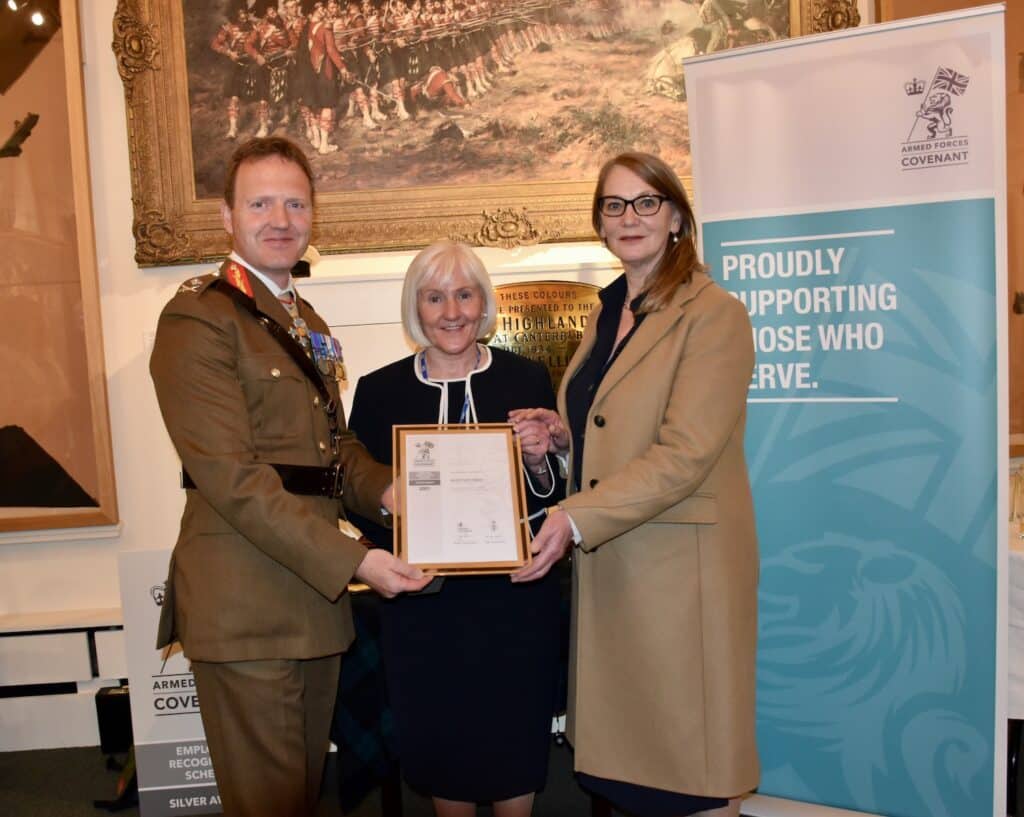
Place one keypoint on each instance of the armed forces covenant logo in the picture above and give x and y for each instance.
(933, 140)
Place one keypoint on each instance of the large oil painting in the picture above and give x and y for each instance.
(484, 120)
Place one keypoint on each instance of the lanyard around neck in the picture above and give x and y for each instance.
(464, 414)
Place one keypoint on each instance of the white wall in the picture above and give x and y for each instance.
(57, 570)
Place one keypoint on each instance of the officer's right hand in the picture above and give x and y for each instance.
(389, 575)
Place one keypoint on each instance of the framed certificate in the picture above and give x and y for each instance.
(462, 499)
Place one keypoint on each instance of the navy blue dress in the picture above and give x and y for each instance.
(472, 669)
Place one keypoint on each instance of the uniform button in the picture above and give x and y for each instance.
(599, 420)
(323, 446)
(275, 372)
(316, 401)
(593, 483)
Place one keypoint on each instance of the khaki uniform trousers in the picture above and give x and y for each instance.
(267, 727)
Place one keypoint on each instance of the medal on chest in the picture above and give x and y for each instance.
(326, 353)
(300, 333)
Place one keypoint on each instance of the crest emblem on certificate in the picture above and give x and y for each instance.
(425, 453)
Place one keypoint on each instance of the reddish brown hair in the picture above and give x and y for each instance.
(256, 149)
(680, 261)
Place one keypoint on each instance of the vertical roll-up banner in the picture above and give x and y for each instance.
(172, 761)
(851, 191)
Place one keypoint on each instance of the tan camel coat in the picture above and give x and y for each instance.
(661, 679)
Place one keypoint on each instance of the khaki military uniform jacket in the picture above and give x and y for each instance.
(665, 582)
(257, 572)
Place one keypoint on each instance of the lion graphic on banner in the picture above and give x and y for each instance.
(937, 112)
(863, 672)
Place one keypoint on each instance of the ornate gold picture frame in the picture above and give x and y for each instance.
(512, 167)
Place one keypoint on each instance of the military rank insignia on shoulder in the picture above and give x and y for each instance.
(197, 284)
(237, 276)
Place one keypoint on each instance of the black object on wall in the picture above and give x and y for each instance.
(31, 478)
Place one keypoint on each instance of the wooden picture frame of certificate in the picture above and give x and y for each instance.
(462, 499)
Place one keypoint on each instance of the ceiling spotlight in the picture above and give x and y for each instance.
(12, 5)
(37, 18)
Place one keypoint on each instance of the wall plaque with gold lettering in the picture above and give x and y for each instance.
(544, 320)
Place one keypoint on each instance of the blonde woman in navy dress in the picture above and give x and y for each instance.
(472, 668)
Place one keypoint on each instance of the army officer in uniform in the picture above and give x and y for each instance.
(245, 377)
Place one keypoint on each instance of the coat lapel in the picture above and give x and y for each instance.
(269, 305)
(653, 328)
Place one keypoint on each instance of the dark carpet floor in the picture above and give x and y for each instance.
(65, 782)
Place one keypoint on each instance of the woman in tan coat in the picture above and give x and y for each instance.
(665, 566)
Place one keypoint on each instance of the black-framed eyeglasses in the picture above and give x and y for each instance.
(645, 205)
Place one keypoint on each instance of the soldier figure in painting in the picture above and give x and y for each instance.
(401, 31)
(349, 33)
(296, 24)
(270, 47)
(230, 42)
(708, 14)
(379, 70)
(326, 66)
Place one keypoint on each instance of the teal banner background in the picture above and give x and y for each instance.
(875, 488)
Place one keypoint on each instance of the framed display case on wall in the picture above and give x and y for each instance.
(56, 464)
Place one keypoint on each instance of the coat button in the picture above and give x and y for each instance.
(316, 401)
(599, 420)
(323, 446)
(275, 372)
(593, 483)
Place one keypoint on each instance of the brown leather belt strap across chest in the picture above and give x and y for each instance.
(294, 350)
(307, 480)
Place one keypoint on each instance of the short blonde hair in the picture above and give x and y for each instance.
(438, 264)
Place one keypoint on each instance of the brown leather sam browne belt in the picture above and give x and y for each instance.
(307, 480)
